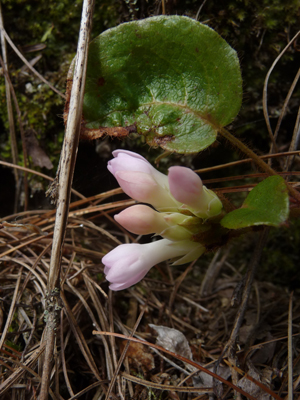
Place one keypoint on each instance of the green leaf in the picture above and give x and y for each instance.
(169, 78)
(266, 204)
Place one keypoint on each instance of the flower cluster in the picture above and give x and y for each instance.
(181, 206)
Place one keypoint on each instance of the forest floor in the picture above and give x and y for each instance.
(189, 311)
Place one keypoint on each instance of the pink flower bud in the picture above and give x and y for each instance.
(127, 264)
(141, 220)
(125, 160)
(187, 188)
(140, 180)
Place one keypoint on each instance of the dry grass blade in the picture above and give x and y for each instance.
(265, 91)
(16, 375)
(80, 338)
(123, 355)
(103, 323)
(284, 108)
(186, 360)
(11, 310)
(86, 390)
(153, 385)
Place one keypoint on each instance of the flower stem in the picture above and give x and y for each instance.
(258, 161)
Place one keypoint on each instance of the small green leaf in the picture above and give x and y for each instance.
(169, 78)
(266, 204)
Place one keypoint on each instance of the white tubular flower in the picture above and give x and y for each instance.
(127, 264)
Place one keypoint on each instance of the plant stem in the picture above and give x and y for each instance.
(258, 161)
(64, 184)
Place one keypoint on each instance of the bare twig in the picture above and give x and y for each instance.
(65, 177)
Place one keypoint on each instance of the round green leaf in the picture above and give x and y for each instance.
(266, 204)
(169, 78)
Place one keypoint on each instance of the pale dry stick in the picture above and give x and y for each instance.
(11, 309)
(64, 182)
(247, 160)
(12, 131)
(27, 63)
(265, 92)
(283, 111)
(294, 142)
(290, 349)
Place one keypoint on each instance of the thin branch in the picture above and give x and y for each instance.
(65, 178)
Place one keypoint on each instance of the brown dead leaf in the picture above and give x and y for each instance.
(139, 356)
(250, 387)
(38, 155)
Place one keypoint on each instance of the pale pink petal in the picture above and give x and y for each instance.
(143, 187)
(185, 185)
(129, 263)
(141, 220)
